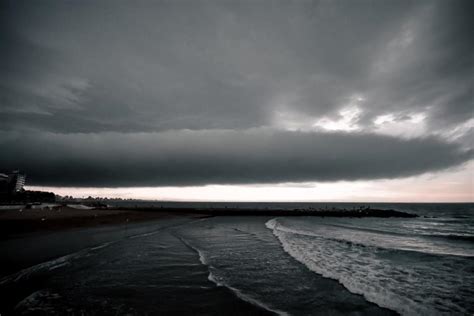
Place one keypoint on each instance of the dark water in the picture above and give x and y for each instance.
(258, 265)
(148, 271)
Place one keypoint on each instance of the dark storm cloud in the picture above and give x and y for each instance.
(222, 157)
(148, 69)
(205, 64)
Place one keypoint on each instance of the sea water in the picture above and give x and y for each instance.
(414, 266)
(280, 265)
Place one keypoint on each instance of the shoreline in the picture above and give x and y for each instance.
(186, 277)
(15, 223)
(91, 227)
(28, 249)
(177, 270)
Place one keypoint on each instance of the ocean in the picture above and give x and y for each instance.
(265, 265)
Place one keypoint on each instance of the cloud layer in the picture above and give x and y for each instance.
(222, 157)
(201, 92)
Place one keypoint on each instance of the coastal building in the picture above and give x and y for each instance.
(12, 182)
(19, 182)
(12, 191)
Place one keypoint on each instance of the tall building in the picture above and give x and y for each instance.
(20, 179)
(12, 182)
(12, 192)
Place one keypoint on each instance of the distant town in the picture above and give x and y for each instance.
(12, 191)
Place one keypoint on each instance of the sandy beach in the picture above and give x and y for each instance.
(17, 222)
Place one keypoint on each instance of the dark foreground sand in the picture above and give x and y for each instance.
(14, 223)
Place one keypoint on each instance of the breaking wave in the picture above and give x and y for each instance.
(216, 278)
(409, 282)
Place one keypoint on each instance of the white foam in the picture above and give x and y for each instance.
(64, 260)
(374, 239)
(37, 302)
(80, 207)
(361, 271)
(145, 234)
(60, 265)
(253, 301)
(213, 279)
(202, 258)
(11, 207)
(220, 282)
(51, 264)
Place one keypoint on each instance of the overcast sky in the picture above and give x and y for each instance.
(240, 96)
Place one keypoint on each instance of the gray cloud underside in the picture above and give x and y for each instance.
(221, 157)
(112, 93)
(154, 66)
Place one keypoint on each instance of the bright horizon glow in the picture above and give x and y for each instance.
(453, 185)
